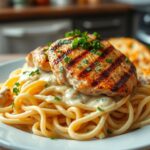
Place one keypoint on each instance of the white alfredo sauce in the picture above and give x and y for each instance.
(71, 96)
(48, 77)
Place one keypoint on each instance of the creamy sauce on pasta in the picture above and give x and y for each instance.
(70, 96)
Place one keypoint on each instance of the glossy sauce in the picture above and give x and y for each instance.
(70, 96)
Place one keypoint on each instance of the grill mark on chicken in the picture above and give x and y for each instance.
(85, 72)
(59, 59)
(108, 71)
(124, 78)
(101, 76)
(60, 43)
(77, 59)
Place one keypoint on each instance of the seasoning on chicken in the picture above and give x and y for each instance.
(38, 58)
(138, 53)
(91, 66)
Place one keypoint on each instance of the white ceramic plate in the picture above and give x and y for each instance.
(16, 139)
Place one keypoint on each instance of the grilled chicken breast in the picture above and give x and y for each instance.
(39, 58)
(107, 72)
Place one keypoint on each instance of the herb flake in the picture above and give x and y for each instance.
(37, 71)
(127, 60)
(16, 90)
(97, 68)
(109, 60)
(17, 84)
(88, 69)
(61, 69)
(57, 98)
(76, 32)
(99, 53)
(85, 61)
(49, 44)
(67, 59)
(99, 109)
(75, 43)
(96, 44)
(82, 40)
(97, 35)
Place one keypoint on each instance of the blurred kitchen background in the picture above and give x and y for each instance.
(26, 24)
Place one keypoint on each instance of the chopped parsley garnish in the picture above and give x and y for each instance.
(64, 42)
(76, 32)
(25, 72)
(99, 109)
(49, 44)
(59, 51)
(67, 59)
(17, 84)
(97, 35)
(16, 88)
(85, 33)
(94, 51)
(68, 34)
(96, 44)
(127, 60)
(97, 63)
(85, 61)
(61, 69)
(75, 43)
(86, 45)
(97, 68)
(99, 53)
(109, 60)
(82, 40)
(36, 72)
(57, 98)
(88, 69)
